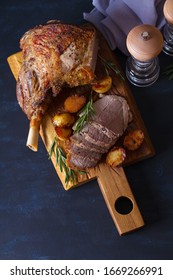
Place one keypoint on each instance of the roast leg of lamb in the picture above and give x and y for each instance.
(55, 55)
(111, 118)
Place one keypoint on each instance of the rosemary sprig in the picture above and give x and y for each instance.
(109, 65)
(52, 147)
(84, 115)
(169, 71)
(60, 156)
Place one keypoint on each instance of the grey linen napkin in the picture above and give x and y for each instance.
(115, 18)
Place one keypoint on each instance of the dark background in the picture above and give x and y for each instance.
(38, 219)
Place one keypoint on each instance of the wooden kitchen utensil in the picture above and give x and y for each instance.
(144, 43)
(113, 182)
(168, 28)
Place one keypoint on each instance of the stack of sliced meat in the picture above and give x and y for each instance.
(109, 122)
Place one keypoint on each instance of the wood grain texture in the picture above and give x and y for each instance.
(113, 183)
(168, 11)
(114, 186)
(144, 49)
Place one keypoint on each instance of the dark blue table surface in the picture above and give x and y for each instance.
(38, 219)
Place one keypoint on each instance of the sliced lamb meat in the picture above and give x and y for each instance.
(105, 131)
(81, 162)
(78, 149)
(112, 112)
(100, 133)
(94, 134)
(80, 138)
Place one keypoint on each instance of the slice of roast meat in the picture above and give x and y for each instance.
(80, 139)
(55, 55)
(111, 118)
(112, 112)
(93, 135)
(81, 162)
(78, 149)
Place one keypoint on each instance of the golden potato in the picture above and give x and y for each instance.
(63, 120)
(74, 103)
(115, 156)
(102, 85)
(63, 133)
(85, 75)
(133, 140)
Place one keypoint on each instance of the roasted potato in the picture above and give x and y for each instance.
(85, 74)
(74, 103)
(102, 85)
(63, 133)
(63, 120)
(133, 140)
(115, 156)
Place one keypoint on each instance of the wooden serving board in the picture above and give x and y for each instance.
(113, 183)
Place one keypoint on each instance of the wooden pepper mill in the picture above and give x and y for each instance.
(144, 43)
(168, 28)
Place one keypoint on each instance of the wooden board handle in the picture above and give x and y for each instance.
(119, 198)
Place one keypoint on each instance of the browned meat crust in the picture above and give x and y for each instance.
(55, 55)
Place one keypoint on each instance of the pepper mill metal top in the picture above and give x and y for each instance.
(144, 42)
(168, 11)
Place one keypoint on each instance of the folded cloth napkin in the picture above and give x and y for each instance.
(115, 18)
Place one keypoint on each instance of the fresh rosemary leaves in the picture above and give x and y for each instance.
(109, 65)
(70, 174)
(84, 115)
(52, 147)
(60, 157)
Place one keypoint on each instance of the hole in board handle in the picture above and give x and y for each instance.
(123, 205)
